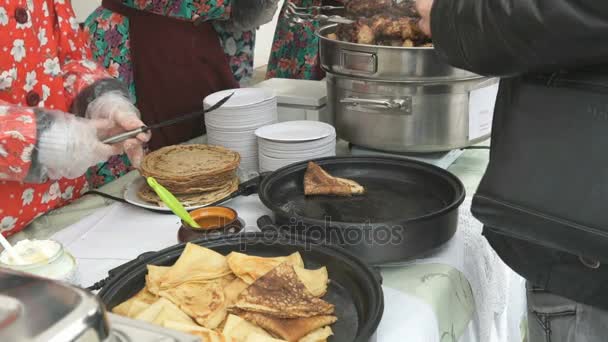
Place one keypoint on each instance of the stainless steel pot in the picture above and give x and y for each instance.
(397, 99)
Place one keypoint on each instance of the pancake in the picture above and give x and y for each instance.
(147, 194)
(249, 268)
(196, 264)
(187, 162)
(290, 330)
(203, 302)
(281, 294)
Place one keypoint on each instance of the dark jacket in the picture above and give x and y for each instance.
(544, 197)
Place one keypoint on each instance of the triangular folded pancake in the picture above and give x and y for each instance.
(206, 335)
(196, 264)
(240, 329)
(291, 330)
(162, 310)
(137, 307)
(143, 295)
(204, 302)
(319, 335)
(234, 289)
(261, 338)
(315, 280)
(281, 294)
(155, 276)
(318, 182)
(249, 268)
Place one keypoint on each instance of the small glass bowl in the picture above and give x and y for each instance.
(61, 266)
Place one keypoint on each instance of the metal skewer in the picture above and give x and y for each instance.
(130, 134)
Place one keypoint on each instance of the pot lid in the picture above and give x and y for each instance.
(297, 92)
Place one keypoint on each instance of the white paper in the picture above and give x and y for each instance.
(481, 111)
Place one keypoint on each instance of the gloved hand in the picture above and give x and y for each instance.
(248, 15)
(113, 114)
(70, 145)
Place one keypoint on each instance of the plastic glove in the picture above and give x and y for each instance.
(70, 145)
(250, 14)
(113, 114)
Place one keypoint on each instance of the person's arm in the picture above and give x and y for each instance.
(38, 144)
(510, 37)
(243, 15)
(90, 90)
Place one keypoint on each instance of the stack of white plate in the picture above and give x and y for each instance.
(233, 125)
(290, 142)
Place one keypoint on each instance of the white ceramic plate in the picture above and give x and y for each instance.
(242, 97)
(230, 127)
(297, 146)
(296, 131)
(131, 197)
(302, 154)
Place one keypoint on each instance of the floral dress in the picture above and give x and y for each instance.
(295, 48)
(44, 65)
(110, 42)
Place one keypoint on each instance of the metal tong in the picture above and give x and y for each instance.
(294, 14)
(130, 134)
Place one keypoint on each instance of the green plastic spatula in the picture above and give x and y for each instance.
(172, 202)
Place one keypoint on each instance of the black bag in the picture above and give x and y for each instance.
(544, 197)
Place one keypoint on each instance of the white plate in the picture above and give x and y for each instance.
(303, 154)
(131, 197)
(242, 97)
(229, 127)
(296, 131)
(297, 146)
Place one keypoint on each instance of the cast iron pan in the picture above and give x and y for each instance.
(354, 288)
(415, 203)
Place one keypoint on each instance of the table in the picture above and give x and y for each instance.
(458, 293)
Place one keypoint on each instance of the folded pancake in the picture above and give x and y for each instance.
(234, 289)
(261, 338)
(319, 335)
(315, 280)
(154, 277)
(204, 302)
(249, 268)
(280, 293)
(161, 311)
(196, 264)
(240, 329)
(318, 182)
(137, 307)
(206, 335)
(291, 330)
(124, 308)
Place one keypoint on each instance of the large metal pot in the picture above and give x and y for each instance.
(397, 99)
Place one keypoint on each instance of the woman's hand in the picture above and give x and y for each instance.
(112, 114)
(423, 7)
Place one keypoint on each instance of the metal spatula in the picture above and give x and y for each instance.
(130, 134)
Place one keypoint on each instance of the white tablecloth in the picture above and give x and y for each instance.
(449, 296)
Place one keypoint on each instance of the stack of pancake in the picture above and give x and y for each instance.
(195, 174)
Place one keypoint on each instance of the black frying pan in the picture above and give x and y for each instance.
(409, 208)
(354, 288)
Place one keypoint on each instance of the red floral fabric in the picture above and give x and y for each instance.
(44, 62)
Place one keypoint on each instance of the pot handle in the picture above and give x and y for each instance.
(404, 104)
